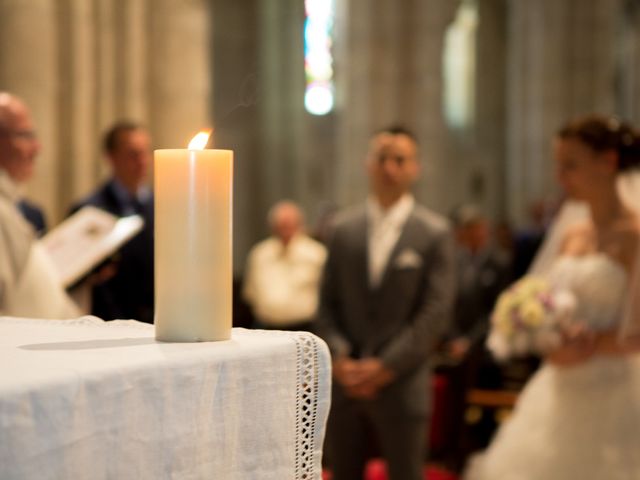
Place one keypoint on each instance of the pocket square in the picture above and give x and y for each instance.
(408, 258)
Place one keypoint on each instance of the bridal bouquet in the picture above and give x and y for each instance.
(529, 318)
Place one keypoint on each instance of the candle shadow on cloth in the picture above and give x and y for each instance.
(90, 344)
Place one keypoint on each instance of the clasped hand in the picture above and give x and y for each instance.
(362, 378)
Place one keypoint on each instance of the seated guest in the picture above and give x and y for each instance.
(28, 283)
(128, 291)
(283, 273)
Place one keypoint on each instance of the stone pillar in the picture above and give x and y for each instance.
(81, 65)
(179, 82)
(29, 69)
(236, 100)
(628, 61)
(441, 177)
(390, 71)
(282, 114)
(561, 63)
(77, 128)
(485, 177)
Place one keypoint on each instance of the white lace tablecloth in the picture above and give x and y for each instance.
(87, 399)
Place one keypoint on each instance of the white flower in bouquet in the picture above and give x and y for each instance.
(529, 318)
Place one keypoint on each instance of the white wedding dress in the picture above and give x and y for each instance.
(580, 422)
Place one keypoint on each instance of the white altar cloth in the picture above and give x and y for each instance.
(87, 399)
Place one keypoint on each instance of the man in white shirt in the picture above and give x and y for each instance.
(29, 286)
(282, 276)
(387, 294)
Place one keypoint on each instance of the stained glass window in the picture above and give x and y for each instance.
(460, 66)
(318, 59)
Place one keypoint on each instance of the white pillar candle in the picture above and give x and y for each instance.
(193, 277)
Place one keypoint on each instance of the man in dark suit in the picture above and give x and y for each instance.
(386, 298)
(482, 275)
(128, 291)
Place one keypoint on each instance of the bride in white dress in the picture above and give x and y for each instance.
(579, 416)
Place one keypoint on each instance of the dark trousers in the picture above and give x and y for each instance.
(401, 438)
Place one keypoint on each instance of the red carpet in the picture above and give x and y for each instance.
(377, 470)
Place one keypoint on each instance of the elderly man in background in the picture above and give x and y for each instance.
(28, 283)
(283, 273)
(128, 291)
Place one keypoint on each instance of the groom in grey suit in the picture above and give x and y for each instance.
(386, 298)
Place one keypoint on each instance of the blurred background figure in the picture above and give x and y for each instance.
(283, 272)
(482, 273)
(28, 283)
(124, 288)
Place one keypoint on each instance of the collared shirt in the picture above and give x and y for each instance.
(385, 227)
(125, 198)
(8, 188)
(281, 284)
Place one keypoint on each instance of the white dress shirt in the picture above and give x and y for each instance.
(282, 284)
(385, 227)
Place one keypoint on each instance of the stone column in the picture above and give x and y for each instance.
(441, 178)
(81, 65)
(390, 71)
(28, 68)
(178, 80)
(77, 128)
(282, 114)
(628, 61)
(485, 176)
(561, 63)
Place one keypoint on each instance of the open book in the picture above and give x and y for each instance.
(85, 239)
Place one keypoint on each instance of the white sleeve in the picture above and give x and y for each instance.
(38, 293)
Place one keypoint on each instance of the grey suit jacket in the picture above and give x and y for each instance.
(402, 320)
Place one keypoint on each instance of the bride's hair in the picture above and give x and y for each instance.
(602, 133)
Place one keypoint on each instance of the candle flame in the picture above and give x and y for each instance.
(200, 140)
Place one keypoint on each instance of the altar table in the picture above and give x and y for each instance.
(88, 399)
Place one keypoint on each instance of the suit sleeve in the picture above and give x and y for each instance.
(417, 340)
(326, 325)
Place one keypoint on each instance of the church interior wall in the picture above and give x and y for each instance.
(238, 66)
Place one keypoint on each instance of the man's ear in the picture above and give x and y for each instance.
(417, 169)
